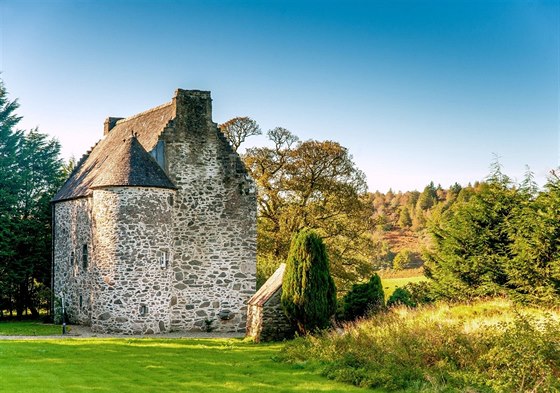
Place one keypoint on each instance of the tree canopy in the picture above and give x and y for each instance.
(238, 129)
(31, 173)
(311, 184)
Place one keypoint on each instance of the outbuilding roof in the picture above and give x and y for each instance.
(121, 159)
(269, 288)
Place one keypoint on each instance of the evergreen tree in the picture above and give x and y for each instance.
(427, 198)
(31, 173)
(471, 241)
(308, 290)
(364, 299)
(10, 141)
(534, 270)
(405, 221)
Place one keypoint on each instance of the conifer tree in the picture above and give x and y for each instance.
(364, 299)
(308, 290)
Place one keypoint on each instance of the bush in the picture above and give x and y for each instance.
(364, 299)
(308, 290)
(402, 259)
(524, 356)
(441, 349)
(420, 292)
(401, 296)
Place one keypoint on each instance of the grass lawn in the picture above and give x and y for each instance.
(153, 365)
(28, 328)
(390, 284)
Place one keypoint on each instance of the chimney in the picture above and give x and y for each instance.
(110, 122)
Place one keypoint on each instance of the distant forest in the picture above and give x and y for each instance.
(402, 220)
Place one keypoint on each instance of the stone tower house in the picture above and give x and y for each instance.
(155, 230)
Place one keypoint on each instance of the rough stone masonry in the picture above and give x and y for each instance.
(155, 230)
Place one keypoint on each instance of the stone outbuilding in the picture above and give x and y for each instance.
(155, 229)
(266, 320)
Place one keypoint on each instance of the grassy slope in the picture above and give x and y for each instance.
(151, 365)
(28, 328)
(442, 348)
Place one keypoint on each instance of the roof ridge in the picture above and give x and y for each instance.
(121, 121)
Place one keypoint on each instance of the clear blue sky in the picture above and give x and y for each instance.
(417, 90)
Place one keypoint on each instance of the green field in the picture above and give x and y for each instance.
(29, 328)
(390, 284)
(153, 365)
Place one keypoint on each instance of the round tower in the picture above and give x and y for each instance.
(132, 241)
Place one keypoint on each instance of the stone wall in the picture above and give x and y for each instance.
(214, 222)
(72, 277)
(268, 322)
(134, 257)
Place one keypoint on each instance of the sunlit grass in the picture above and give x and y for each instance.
(153, 365)
(28, 328)
(390, 284)
(493, 345)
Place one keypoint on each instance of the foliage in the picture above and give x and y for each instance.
(312, 184)
(364, 299)
(402, 259)
(401, 297)
(471, 243)
(421, 292)
(148, 365)
(502, 238)
(32, 172)
(534, 270)
(308, 290)
(238, 129)
(523, 355)
(445, 348)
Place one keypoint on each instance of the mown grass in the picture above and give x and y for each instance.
(153, 365)
(490, 346)
(28, 328)
(390, 284)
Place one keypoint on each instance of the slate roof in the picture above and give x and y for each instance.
(120, 159)
(131, 165)
(269, 288)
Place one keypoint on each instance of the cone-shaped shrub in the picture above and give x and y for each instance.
(364, 299)
(308, 290)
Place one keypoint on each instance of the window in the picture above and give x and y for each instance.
(163, 260)
(143, 309)
(72, 258)
(81, 301)
(85, 256)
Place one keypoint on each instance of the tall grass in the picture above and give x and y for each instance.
(488, 346)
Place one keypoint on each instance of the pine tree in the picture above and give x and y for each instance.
(534, 270)
(308, 290)
(471, 241)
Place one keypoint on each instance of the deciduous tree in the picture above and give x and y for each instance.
(238, 129)
(311, 184)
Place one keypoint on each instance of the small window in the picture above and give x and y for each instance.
(72, 258)
(143, 310)
(163, 260)
(81, 301)
(85, 256)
